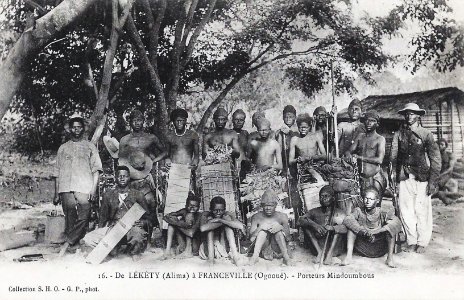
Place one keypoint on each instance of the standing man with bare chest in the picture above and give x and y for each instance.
(182, 144)
(369, 149)
(77, 172)
(221, 136)
(416, 160)
(137, 151)
(348, 131)
(265, 151)
(139, 140)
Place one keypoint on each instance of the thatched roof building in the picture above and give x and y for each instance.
(444, 117)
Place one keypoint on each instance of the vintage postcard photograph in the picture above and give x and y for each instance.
(231, 149)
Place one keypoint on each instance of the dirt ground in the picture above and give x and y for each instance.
(24, 207)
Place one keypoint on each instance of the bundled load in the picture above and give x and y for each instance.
(339, 173)
(257, 182)
(218, 154)
(338, 168)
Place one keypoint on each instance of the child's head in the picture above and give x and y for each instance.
(122, 176)
(264, 127)
(304, 123)
(217, 206)
(193, 203)
(371, 197)
(269, 202)
(289, 115)
(326, 196)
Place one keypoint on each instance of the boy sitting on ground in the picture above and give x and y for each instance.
(317, 223)
(269, 231)
(370, 231)
(218, 226)
(184, 224)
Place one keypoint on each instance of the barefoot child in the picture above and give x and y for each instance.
(218, 226)
(269, 231)
(316, 225)
(370, 231)
(183, 224)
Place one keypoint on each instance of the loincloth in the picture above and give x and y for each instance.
(372, 250)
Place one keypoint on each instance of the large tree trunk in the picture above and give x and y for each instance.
(48, 27)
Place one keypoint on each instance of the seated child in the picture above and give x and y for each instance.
(184, 224)
(370, 231)
(115, 204)
(269, 231)
(316, 225)
(218, 226)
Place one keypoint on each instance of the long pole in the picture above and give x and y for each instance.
(327, 236)
(284, 145)
(327, 139)
(337, 154)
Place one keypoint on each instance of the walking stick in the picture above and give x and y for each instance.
(284, 145)
(327, 236)
(335, 114)
(327, 140)
(393, 189)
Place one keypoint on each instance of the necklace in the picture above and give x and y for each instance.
(179, 135)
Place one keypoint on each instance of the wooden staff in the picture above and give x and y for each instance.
(337, 154)
(327, 158)
(332, 213)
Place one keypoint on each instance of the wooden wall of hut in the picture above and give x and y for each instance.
(444, 120)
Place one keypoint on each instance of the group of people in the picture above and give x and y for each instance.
(368, 229)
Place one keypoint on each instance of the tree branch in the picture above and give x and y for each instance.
(189, 22)
(196, 33)
(118, 85)
(33, 4)
(12, 69)
(218, 100)
(281, 33)
(155, 81)
(242, 74)
(285, 55)
(99, 116)
(154, 26)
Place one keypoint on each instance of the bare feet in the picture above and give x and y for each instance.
(136, 257)
(253, 261)
(288, 261)
(317, 259)
(211, 262)
(328, 261)
(167, 255)
(420, 249)
(186, 254)
(346, 261)
(237, 259)
(389, 262)
(410, 248)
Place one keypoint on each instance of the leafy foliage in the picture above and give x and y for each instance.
(308, 40)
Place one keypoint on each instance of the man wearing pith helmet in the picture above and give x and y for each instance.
(416, 160)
